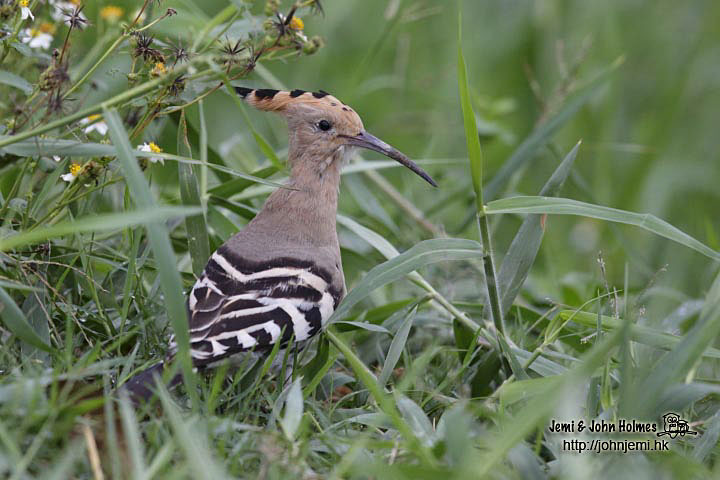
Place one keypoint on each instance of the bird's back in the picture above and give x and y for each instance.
(261, 287)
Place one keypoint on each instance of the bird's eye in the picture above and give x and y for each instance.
(324, 125)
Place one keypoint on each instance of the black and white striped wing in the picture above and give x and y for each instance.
(238, 305)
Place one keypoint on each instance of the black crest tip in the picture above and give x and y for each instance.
(263, 93)
(243, 91)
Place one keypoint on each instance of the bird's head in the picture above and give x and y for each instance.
(321, 126)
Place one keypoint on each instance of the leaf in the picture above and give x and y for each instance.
(471, 132)
(36, 147)
(370, 327)
(96, 223)
(566, 206)
(192, 443)
(526, 243)
(396, 347)
(159, 237)
(367, 201)
(424, 253)
(513, 427)
(16, 81)
(15, 321)
(33, 309)
(10, 285)
(463, 338)
(290, 421)
(132, 437)
(709, 440)
(237, 185)
(638, 333)
(197, 238)
(316, 369)
(379, 242)
(544, 132)
(674, 365)
(388, 406)
(416, 418)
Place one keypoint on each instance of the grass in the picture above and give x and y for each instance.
(547, 279)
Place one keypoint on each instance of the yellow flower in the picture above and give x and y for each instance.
(152, 147)
(46, 27)
(111, 13)
(24, 3)
(296, 23)
(75, 170)
(158, 70)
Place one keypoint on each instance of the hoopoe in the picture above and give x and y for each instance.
(280, 277)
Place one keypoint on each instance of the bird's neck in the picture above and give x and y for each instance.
(306, 211)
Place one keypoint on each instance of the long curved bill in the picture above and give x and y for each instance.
(371, 142)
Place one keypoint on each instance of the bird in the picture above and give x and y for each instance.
(280, 277)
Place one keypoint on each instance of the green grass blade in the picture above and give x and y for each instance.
(471, 132)
(638, 333)
(15, 321)
(566, 206)
(197, 238)
(290, 421)
(396, 347)
(9, 78)
(158, 235)
(379, 242)
(674, 365)
(709, 441)
(526, 243)
(237, 185)
(37, 317)
(476, 166)
(423, 253)
(96, 223)
(366, 377)
(514, 428)
(36, 147)
(132, 437)
(192, 443)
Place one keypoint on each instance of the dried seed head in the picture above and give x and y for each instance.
(231, 53)
(75, 18)
(143, 48)
(179, 54)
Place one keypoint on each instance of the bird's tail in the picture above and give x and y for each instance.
(142, 386)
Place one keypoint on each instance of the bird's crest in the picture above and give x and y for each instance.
(271, 100)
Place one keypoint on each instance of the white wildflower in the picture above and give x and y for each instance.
(37, 39)
(25, 12)
(75, 170)
(152, 147)
(94, 125)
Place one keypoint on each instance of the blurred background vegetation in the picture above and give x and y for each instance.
(637, 81)
(648, 132)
